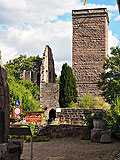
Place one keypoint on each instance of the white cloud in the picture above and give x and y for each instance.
(117, 18)
(112, 41)
(30, 28)
(31, 40)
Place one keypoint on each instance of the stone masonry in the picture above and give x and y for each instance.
(49, 90)
(4, 104)
(47, 70)
(90, 46)
(73, 115)
(30, 76)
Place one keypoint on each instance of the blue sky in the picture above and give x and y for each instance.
(26, 26)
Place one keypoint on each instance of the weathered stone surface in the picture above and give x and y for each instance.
(49, 90)
(96, 135)
(103, 136)
(4, 105)
(106, 137)
(63, 130)
(30, 76)
(47, 70)
(49, 95)
(73, 115)
(4, 151)
(90, 46)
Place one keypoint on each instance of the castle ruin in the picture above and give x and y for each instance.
(49, 90)
(90, 46)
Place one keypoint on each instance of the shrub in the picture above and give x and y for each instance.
(97, 102)
(73, 105)
(87, 101)
(100, 103)
(113, 118)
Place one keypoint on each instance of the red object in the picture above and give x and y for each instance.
(17, 111)
(34, 112)
(84, 2)
(11, 116)
(36, 118)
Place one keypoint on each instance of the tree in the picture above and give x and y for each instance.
(16, 66)
(27, 92)
(68, 89)
(110, 81)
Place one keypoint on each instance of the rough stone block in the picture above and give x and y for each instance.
(106, 137)
(4, 151)
(102, 136)
(96, 135)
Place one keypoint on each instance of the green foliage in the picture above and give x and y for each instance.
(87, 101)
(110, 81)
(16, 66)
(40, 139)
(73, 105)
(26, 92)
(18, 91)
(113, 118)
(100, 103)
(68, 91)
(58, 80)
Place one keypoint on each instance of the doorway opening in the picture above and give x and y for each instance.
(52, 115)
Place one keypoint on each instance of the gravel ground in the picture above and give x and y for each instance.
(70, 149)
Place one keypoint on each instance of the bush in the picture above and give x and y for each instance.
(97, 102)
(73, 105)
(113, 118)
(87, 101)
(100, 103)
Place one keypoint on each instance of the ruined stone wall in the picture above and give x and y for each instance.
(47, 70)
(49, 95)
(30, 76)
(49, 90)
(4, 104)
(73, 115)
(26, 75)
(90, 46)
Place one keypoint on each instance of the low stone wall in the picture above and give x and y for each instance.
(63, 130)
(73, 115)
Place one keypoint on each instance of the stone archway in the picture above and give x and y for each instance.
(52, 114)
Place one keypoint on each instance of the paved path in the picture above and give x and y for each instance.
(70, 149)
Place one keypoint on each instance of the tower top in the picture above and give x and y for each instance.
(88, 13)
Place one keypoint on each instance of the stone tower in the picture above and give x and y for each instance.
(49, 90)
(47, 70)
(90, 46)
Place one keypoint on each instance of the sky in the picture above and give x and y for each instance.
(26, 26)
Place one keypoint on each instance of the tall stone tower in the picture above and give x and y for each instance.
(49, 90)
(47, 70)
(90, 46)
